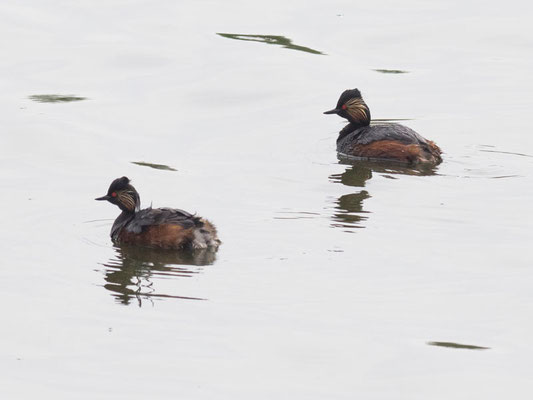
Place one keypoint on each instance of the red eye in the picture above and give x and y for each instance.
(344, 106)
(114, 194)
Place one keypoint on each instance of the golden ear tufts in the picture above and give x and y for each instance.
(358, 110)
(127, 200)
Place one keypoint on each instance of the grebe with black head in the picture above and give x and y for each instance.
(393, 142)
(166, 228)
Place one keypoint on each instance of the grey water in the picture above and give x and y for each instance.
(336, 279)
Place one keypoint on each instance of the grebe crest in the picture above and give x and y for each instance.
(352, 107)
(124, 195)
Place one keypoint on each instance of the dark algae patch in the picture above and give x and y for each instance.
(457, 346)
(270, 39)
(55, 98)
(155, 166)
(391, 71)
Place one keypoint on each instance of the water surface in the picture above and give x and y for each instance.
(332, 276)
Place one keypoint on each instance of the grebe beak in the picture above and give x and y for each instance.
(334, 111)
(106, 197)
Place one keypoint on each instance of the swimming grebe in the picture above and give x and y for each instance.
(386, 142)
(166, 228)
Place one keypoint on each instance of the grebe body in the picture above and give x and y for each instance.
(166, 228)
(392, 142)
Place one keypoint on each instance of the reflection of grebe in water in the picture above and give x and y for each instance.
(348, 210)
(131, 274)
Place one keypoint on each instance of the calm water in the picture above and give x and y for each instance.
(334, 281)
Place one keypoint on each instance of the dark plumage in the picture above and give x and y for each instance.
(387, 142)
(156, 227)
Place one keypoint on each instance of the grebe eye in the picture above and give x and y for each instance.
(344, 107)
(114, 194)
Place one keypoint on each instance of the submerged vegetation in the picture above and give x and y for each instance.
(458, 345)
(55, 98)
(270, 39)
(155, 166)
(391, 71)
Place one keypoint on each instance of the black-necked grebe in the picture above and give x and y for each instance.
(385, 142)
(166, 228)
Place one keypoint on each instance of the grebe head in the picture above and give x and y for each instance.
(122, 194)
(352, 107)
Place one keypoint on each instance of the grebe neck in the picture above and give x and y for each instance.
(351, 127)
